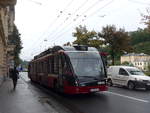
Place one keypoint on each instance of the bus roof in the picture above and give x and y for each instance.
(65, 48)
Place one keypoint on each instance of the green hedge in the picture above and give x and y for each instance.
(147, 73)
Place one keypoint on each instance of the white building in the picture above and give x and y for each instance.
(140, 61)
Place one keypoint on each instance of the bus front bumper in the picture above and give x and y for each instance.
(84, 89)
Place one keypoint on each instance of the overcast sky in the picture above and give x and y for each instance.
(44, 23)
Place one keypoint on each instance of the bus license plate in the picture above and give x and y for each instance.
(101, 83)
(93, 90)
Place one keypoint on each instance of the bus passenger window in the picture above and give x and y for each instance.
(60, 66)
(56, 64)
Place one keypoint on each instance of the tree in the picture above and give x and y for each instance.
(67, 44)
(140, 36)
(146, 19)
(16, 40)
(140, 40)
(118, 41)
(148, 67)
(143, 47)
(85, 37)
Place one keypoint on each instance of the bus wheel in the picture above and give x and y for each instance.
(109, 82)
(131, 85)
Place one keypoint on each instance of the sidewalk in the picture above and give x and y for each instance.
(22, 100)
(1, 80)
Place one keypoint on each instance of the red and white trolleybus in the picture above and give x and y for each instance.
(69, 69)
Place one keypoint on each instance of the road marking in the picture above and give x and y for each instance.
(129, 97)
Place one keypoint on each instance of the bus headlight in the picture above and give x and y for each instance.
(76, 83)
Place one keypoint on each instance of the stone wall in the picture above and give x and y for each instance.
(6, 28)
(7, 2)
(2, 43)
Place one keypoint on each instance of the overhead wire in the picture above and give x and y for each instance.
(52, 23)
(39, 3)
(96, 3)
(95, 12)
(67, 18)
(85, 17)
(79, 8)
(83, 4)
(61, 12)
(139, 2)
(100, 8)
(89, 8)
(58, 36)
(58, 16)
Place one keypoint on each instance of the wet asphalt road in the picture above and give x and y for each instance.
(116, 100)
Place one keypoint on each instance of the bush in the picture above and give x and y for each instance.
(147, 73)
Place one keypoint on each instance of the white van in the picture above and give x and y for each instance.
(128, 76)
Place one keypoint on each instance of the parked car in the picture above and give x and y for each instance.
(128, 76)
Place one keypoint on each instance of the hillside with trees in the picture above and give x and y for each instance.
(140, 41)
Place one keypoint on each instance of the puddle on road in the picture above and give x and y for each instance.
(43, 99)
(46, 100)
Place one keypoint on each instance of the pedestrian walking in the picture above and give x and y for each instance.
(14, 76)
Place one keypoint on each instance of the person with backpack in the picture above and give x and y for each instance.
(14, 76)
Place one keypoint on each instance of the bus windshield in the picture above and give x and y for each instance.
(87, 63)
